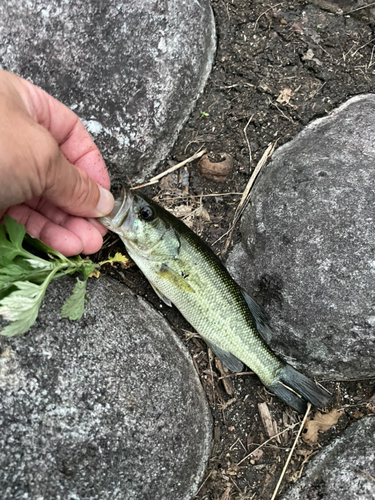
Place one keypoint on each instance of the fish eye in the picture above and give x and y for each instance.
(147, 213)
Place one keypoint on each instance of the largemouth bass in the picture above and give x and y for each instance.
(185, 272)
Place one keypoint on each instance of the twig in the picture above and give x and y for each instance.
(204, 482)
(237, 374)
(291, 452)
(268, 440)
(360, 8)
(155, 179)
(365, 45)
(247, 140)
(265, 12)
(170, 198)
(246, 194)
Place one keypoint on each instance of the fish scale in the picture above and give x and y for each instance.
(185, 272)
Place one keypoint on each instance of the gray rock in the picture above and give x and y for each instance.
(131, 69)
(344, 470)
(109, 407)
(308, 244)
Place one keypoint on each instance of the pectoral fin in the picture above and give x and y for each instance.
(261, 321)
(174, 278)
(228, 359)
(161, 296)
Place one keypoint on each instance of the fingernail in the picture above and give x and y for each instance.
(106, 202)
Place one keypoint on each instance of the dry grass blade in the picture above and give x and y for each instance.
(360, 8)
(291, 452)
(155, 179)
(246, 194)
(267, 441)
(247, 139)
(265, 12)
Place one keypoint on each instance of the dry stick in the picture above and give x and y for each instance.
(268, 440)
(246, 194)
(237, 374)
(247, 139)
(291, 452)
(265, 12)
(155, 179)
(200, 195)
(204, 482)
(360, 8)
(363, 46)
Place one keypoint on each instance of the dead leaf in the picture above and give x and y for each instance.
(226, 495)
(309, 56)
(257, 455)
(357, 414)
(202, 212)
(95, 274)
(180, 211)
(320, 423)
(169, 182)
(285, 96)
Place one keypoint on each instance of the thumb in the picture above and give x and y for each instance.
(72, 189)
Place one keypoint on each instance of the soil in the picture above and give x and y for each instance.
(278, 66)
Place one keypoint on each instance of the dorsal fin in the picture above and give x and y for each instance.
(261, 320)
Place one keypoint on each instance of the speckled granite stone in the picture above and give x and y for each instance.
(131, 69)
(344, 470)
(308, 244)
(106, 408)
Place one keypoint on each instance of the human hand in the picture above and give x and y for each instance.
(52, 176)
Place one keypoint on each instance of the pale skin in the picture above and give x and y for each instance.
(53, 178)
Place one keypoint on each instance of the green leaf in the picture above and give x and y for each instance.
(74, 305)
(15, 272)
(21, 307)
(25, 273)
(41, 247)
(9, 249)
(87, 269)
(15, 231)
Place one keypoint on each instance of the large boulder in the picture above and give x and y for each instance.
(131, 69)
(108, 407)
(308, 244)
(344, 470)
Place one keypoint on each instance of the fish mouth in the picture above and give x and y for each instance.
(121, 211)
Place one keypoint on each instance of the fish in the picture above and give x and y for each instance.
(186, 273)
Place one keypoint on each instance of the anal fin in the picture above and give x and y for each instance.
(228, 359)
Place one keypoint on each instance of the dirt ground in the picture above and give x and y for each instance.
(278, 66)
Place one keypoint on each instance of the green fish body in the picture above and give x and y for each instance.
(185, 272)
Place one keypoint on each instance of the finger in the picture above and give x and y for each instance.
(37, 226)
(68, 131)
(102, 230)
(59, 217)
(76, 236)
(73, 190)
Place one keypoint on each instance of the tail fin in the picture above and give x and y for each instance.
(297, 389)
